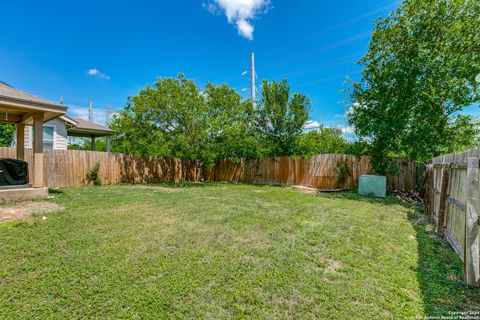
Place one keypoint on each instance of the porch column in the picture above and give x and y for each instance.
(37, 150)
(20, 141)
(107, 142)
(93, 143)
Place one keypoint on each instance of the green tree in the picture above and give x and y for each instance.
(175, 119)
(359, 147)
(465, 133)
(86, 144)
(281, 117)
(418, 73)
(163, 120)
(7, 132)
(325, 140)
(229, 123)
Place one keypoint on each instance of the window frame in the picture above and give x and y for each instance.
(31, 135)
(54, 133)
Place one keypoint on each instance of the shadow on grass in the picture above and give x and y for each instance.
(439, 270)
(182, 184)
(55, 192)
(203, 184)
(352, 195)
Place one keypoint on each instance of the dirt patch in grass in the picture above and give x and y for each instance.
(159, 188)
(164, 189)
(332, 268)
(304, 189)
(24, 210)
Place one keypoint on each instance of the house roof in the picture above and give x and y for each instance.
(82, 128)
(10, 92)
(18, 103)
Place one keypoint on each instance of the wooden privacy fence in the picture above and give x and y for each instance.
(67, 168)
(452, 199)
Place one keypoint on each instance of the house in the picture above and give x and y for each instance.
(57, 131)
(23, 109)
(40, 124)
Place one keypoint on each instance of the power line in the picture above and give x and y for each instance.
(323, 66)
(347, 22)
(323, 48)
(338, 26)
(326, 79)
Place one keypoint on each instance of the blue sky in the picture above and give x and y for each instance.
(105, 51)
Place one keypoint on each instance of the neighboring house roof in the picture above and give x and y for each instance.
(69, 120)
(18, 102)
(82, 128)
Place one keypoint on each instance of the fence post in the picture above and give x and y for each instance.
(443, 198)
(428, 190)
(472, 236)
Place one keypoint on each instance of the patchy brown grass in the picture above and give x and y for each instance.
(218, 251)
(23, 210)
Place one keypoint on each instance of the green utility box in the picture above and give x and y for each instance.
(372, 186)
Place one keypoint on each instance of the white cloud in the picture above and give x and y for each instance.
(348, 130)
(311, 124)
(240, 13)
(245, 29)
(211, 7)
(96, 73)
(78, 112)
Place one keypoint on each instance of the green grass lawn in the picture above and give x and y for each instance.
(226, 251)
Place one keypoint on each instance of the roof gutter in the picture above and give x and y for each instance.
(22, 102)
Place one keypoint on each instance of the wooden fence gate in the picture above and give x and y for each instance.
(453, 202)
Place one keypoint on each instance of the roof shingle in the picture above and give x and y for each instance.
(7, 91)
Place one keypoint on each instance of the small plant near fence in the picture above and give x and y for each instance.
(342, 172)
(92, 175)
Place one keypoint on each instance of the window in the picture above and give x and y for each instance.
(47, 137)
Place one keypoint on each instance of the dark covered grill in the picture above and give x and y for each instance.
(13, 172)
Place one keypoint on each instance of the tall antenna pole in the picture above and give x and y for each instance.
(90, 112)
(252, 78)
(108, 114)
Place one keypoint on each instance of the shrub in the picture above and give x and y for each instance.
(92, 175)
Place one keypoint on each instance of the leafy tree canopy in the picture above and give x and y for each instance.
(7, 132)
(281, 117)
(418, 74)
(174, 118)
(325, 140)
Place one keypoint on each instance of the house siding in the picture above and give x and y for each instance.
(59, 134)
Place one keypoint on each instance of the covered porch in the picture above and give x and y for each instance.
(23, 109)
(77, 127)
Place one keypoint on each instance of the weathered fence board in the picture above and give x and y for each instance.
(472, 239)
(453, 201)
(67, 168)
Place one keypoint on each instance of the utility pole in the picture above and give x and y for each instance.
(90, 112)
(252, 78)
